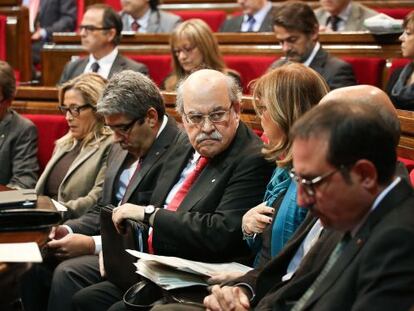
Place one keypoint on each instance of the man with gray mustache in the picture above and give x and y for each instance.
(297, 30)
(197, 211)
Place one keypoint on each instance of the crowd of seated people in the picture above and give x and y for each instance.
(319, 209)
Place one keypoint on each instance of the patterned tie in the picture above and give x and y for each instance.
(95, 67)
(135, 26)
(336, 253)
(251, 21)
(334, 21)
(181, 193)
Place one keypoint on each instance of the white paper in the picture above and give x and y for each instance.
(20, 252)
(59, 206)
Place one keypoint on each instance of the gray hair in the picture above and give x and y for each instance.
(131, 93)
(233, 89)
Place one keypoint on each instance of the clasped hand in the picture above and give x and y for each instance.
(126, 211)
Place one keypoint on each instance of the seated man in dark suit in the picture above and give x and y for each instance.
(297, 30)
(256, 17)
(18, 138)
(133, 107)
(344, 156)
(210, 180)
(100, 34)
(143, 16)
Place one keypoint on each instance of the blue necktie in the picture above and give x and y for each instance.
(251, 21)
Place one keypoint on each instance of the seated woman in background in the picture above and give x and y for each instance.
(280, 97)
(400, 86)
(193, 47)
(75, 173)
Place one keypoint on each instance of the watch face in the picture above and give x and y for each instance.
(149, 209)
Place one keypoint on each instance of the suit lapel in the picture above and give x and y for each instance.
(319, 61)
(153, 21)
(5, 127)
(117, 66)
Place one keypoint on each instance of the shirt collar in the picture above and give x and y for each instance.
(312, 55)
(163, 125)
(260, 15)
(106, 60)
(346, 12)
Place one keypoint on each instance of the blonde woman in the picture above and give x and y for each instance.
(75, 173)
(193, 47)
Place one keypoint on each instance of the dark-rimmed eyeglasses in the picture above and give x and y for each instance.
(186, 50)
(214, 117)
(75, 110)
(125, 129)
(91, 28)
(309, 185)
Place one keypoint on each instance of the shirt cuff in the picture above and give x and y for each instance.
(43, 33)
(98, 243)
(68, 228)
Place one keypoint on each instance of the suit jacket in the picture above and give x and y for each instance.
(88, 170)
(207, 224)
(159, 21)
(18, 151)
(234, 24)
(77, 67)
(141, 188)
(399, 102)
(335, 71)
(359, 13)
(57, 16)
(374, 271)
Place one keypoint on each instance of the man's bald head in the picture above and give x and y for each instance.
(360, 94)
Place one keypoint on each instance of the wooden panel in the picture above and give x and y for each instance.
(10, 2)
(19, 53)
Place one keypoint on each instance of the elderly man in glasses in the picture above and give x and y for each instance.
(344, 155)
(213, 176)
(100, 33)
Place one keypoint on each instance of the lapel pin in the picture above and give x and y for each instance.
(157, 153)
(213, 180)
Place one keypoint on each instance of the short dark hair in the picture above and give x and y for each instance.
(295, 15)
(131, 93)
(111, 19)
(153, 4)
(7, 81)
(354, 132)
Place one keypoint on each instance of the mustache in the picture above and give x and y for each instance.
(213, 136)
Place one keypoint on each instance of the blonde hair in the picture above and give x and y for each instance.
(90, 86)
(287, 93)
(200, 35)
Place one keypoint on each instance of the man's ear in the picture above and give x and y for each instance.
(111, 34)
(315, 34)
(367, 174)
(152, 116)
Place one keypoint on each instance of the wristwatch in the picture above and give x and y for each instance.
(148, 211)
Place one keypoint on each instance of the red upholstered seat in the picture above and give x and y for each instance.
(3, 24)
(116, 4)
(412, 177)
(399, 13)
(49, 129)
(249, 67)
(367, 70)
(409, 164)
(81, 9)
(159, 66)
(214, 18)
(398, 63)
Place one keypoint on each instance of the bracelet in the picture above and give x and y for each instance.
(248, 236)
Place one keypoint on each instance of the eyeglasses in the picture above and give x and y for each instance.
(309, 185)
(75, 110)
(186, 50)
(214, 117)
(91, 28)
(124, 129)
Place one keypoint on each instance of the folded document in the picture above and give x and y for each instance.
(173, 272)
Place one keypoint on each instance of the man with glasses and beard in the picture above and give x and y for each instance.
(213, 176)
(100, 33)
(133, 108)
(297, 31)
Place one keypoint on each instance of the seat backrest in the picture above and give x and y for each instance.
(49, 129)
(159, 66)
(214, 18)
(412, 178)
(398, 63)
(398, 13)
(409, 164)
(367, 70)
(249, 67)
(116, 4)
(81, 10)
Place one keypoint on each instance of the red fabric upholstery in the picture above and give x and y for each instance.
(399, 13)
(398, 63)
(213, 18)
(3, 22)
(81, 9)
(409, 164)
(116, 4)
(159, 66)
(367, 70)
(412, 178)
(249, 67)
(49, 129)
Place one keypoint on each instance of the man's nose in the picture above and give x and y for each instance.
(207, 126)
(302, 198)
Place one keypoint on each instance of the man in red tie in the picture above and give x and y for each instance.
(214, 175)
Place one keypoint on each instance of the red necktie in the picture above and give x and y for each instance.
(135, 26)
(181, 193)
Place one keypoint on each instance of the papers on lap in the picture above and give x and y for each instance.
(173, 272)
